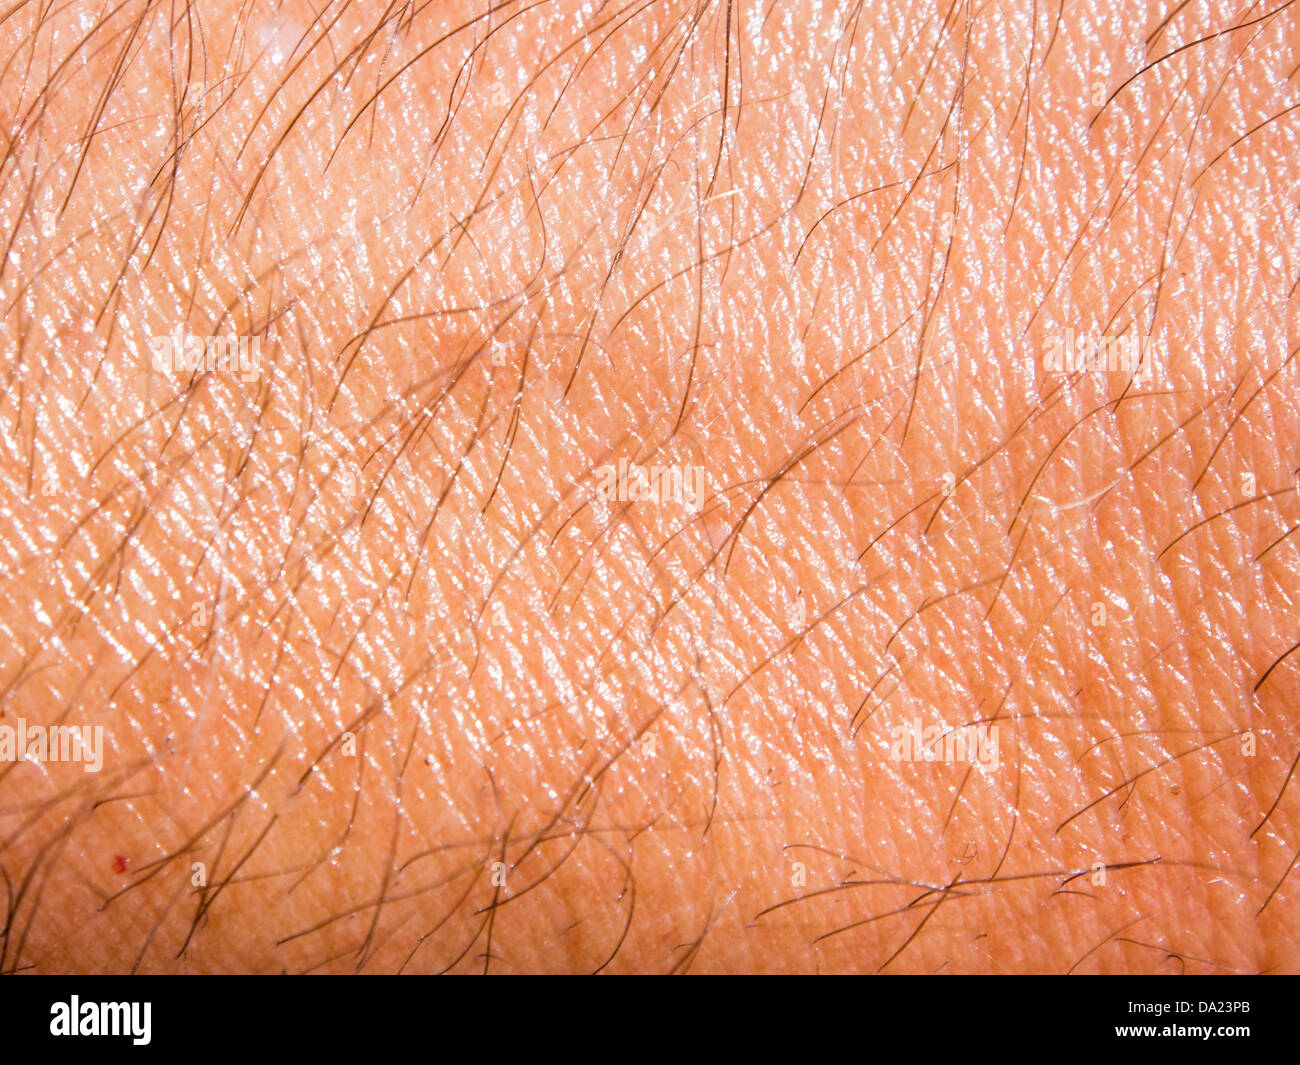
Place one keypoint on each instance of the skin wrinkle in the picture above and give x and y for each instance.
(367, 644)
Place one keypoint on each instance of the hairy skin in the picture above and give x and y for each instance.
(385, 683)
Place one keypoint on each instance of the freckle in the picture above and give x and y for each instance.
(120, 863)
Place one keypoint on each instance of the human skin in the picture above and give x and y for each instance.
(386, 685)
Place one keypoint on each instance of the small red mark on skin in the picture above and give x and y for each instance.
(716, 532)
(120, 864)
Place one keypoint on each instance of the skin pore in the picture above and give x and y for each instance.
(386, 679)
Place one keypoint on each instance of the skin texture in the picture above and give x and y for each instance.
(386, 685)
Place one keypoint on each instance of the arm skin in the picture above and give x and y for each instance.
(386, 685)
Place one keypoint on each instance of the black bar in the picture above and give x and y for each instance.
(342, 1017)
